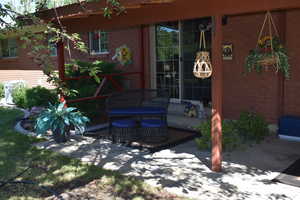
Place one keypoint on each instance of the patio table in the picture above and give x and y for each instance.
(137, 105)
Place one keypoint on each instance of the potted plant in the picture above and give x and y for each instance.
(269, 52)
(266, 55)
(59, 119)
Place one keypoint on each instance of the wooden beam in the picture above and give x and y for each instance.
(152, 2)
(217, 79)
(86, 14)
(142, 78)
(86, 99)
(103, 75)
(162, 12)
(61, 65)
(61, 59)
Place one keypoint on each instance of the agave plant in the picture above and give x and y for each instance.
(59, 120)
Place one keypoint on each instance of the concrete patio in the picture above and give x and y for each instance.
(183, 170)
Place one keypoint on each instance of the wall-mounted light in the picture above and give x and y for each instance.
(224, 20)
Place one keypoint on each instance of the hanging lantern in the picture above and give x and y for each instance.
(202, 66)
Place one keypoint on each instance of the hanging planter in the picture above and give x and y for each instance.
(202, 67)
(269, 52)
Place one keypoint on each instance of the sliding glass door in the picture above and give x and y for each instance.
(167, 57)
(193, 88)
(176, 47)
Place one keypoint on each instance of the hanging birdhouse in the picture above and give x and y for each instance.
(202, 67)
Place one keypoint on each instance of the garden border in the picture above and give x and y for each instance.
(18, 128)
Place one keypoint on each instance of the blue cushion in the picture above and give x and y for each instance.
(138, 111)
(127, 123)
(290, 126)
(153, 123)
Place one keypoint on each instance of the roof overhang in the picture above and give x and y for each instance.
(139, 12)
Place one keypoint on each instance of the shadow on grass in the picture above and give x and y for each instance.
(56, 172)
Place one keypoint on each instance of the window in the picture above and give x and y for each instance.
(98, 42)
(52, 47)
(9, 48)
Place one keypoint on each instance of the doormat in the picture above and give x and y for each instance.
(290, 176)
(176, 137)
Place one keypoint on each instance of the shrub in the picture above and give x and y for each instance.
(1, 90)
(87, 87)
(19, 96)
(231, 139)
(40, 96)
(25, 97)
(94, 109)
(252, 127)
(82, 68)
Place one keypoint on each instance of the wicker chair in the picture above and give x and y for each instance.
(137, 105)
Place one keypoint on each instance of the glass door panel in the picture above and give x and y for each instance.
(176, 46)
(192, 87)
(167, 57)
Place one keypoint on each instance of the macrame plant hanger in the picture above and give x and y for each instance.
(272, 60)
(202, 67)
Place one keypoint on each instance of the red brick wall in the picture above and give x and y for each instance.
(23, 68)
(292, 86)
(261, 92)
(251, 92)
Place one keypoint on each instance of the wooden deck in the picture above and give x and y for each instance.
(176, 136)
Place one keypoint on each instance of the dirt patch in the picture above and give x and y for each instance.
(103, 189)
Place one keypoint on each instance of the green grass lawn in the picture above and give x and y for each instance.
(58, 173)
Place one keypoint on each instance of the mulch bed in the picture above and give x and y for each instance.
(291, 175)
(176, 137)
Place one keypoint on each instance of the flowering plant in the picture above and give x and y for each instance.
(269, 52)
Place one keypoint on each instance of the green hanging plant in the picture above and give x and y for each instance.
(269, 52)
(264, 56)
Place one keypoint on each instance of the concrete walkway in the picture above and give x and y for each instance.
(184, 171)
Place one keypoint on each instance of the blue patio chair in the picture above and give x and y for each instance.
(124, 131)
(154, 130)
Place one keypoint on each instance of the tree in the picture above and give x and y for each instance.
(17, 14)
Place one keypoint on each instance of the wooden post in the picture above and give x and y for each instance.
(217, 79)
(61, 59)
(61, 63)
(142, 78)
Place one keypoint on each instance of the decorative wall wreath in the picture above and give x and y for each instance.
(123, 55)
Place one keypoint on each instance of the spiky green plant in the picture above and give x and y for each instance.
(59, 118)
